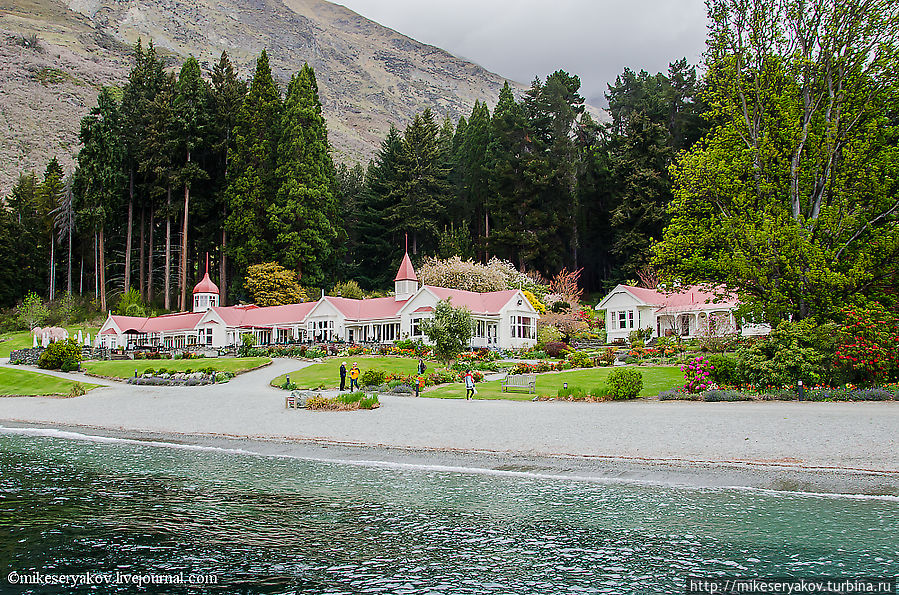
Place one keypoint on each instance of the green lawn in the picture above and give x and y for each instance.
(28, 383)
(126, 368)
(21, 340)
(327, 374)
(655, 380)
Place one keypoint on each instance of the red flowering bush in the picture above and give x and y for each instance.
(555, 348)
(869, 344)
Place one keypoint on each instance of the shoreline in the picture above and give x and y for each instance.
(784, 477)
(848, 448)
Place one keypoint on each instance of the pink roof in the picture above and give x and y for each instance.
(406, 272)
(275, 315)
(694, 297)
(479, 303)
(129, 323)
(206, 285)
(423, 309)
(171, 322)
(368, 309)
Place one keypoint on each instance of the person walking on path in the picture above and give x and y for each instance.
(354, 377)
(343, 377)
(469, 385)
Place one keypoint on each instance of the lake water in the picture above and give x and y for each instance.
(266, 524)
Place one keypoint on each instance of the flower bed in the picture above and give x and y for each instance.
(817, 394)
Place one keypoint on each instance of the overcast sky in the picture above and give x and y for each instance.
(520, 39)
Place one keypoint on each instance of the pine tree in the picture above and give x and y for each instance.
(377, 246)
(303, 216)
(418, 191)
(228, 93)
(474, 168)
(251, 170)
(52, 193)
(190, 123)
(509, 199)
(101, 174)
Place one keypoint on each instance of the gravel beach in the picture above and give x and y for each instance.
(831, 447)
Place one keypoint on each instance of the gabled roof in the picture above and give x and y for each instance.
(367, 309)
(171, 322)
(128, 323)
(275, 315)
(406, 272)
(692, 297)
(479, 303)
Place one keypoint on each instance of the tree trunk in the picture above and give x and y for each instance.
(415, 243)
(102, 274)
(223, 268)
(128, 231)
(69, 278)
(81, 277)
(168, 251)
(486, 235)
(143, 239)
(96, 269)
(182, 303)
(150, 257)
(52, 270)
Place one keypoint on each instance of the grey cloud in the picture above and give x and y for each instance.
(521, 39)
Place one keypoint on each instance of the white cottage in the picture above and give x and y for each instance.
(503, 319)
(688, 312)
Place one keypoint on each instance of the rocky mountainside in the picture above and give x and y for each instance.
(55, 55)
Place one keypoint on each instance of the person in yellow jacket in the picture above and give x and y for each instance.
(354, 377)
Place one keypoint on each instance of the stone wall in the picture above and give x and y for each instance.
(27, 356)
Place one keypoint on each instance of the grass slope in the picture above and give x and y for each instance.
(327, 374)
(655, 380)
(21, 340)
(126, 368)
(28, 383)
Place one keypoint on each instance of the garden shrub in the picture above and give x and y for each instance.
(77, 390)
(696, 374)
(372, 377)
(555, 348)
(868, 350)
(675, 394)
(579, 359)
(716, 395)
(369, 402)
(547, 334)
(599, 393)
(625, 383)
(61, 353)
(572, 392)
(794, 351)
(722, 369)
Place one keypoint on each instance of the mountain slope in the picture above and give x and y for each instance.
(369, 76)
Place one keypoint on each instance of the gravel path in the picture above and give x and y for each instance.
(848, 436)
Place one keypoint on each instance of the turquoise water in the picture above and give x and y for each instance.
(283, 525)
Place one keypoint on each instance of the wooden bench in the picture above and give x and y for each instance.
(526, 381)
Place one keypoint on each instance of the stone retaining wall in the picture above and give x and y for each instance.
(27, 356)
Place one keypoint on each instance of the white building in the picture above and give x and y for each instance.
(688, 312)
(504, 319)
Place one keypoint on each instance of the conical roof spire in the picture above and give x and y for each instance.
(206, 285)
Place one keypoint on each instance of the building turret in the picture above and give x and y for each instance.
(406, 282)
(206, 293)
